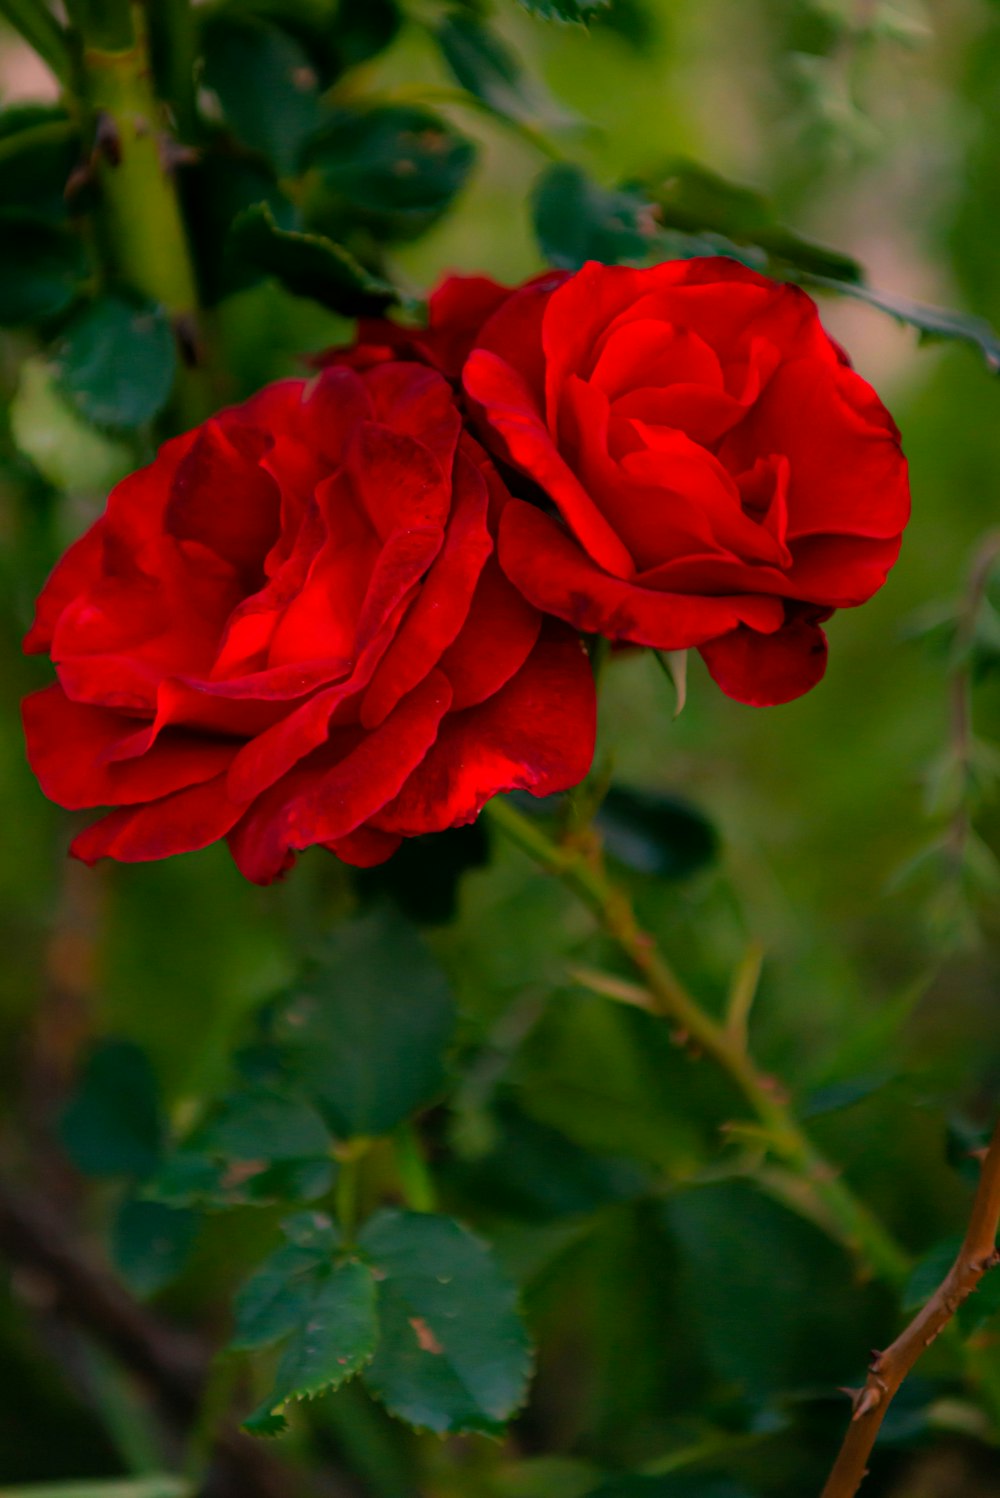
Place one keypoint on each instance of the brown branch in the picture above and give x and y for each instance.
(888, 1369)
(172, 1364)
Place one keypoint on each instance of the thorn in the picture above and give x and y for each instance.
(188, 339)
(82, 176)
(174, 154)
(680, 1037)
(870, 1400)
(107, 141)
(853, 1394)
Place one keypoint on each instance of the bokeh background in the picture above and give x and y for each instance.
(670, 1318)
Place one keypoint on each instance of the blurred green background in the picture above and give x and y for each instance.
(671, 1318)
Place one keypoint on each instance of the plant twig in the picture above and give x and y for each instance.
(579, 864)
(172, 1364)
(889, 1368)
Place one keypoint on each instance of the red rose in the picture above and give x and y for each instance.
(290, 629)
(723, 479)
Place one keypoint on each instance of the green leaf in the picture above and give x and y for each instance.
(323, 1305)
(310, 265)
(364, 1035)
(656, 833)
(274, 1300)
(265, 83)
(257, 1146)
(567, 10)
(363, 29)
(693, 199)
(334, 1341)
(41, 269)
(929, 1271)
(488, 68)
(113, 1125)
(576, 220)
(934, 324)
(425, 876)
(151, 1243)
(394, 168)
(336, 34)
(453, 1354)
(39, 148)
(116, 362)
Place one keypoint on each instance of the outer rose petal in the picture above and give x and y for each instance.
(765, 670)
(180, 823)
(556, 575)
(326, 799)
(90, 773)
(537, 734)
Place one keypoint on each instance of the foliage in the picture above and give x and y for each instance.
(404, 1150)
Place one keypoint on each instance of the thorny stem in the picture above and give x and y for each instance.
(579, 864)
(888, 1369)
(145, 239)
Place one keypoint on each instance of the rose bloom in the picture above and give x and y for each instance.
(291, 629)
(704, 469)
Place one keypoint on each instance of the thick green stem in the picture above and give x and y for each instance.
(144, 238)
(581, 870)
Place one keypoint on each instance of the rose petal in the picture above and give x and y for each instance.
(765, 670)
(180, 823)
(329, 798)
(507, 406)
(536, 734)
(556, 575)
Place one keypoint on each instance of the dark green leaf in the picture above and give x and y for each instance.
(113, 1125)
(576, 220)
(696, 201)
(566, 10)
(424, 876)
(151, 1243)
(363, 29)
(963, 1141)
(843, 1094)
(116, 362)
(257, 1147)
(275, 1299)
(656, 833)
(39, 148)
(453, 1354)
(364, 1035)
(41, 270)
(216, 189)
(535, 1172)
(325, 1306)
(336, 34)
(265, 83)
(486, 66)
(394, 168)
(934, 324)
(310, 265)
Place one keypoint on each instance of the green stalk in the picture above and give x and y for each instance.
(144, 239)
(830, 1200)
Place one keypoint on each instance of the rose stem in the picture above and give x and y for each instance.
(580, 866)
(145, 239)
(888, 1369)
